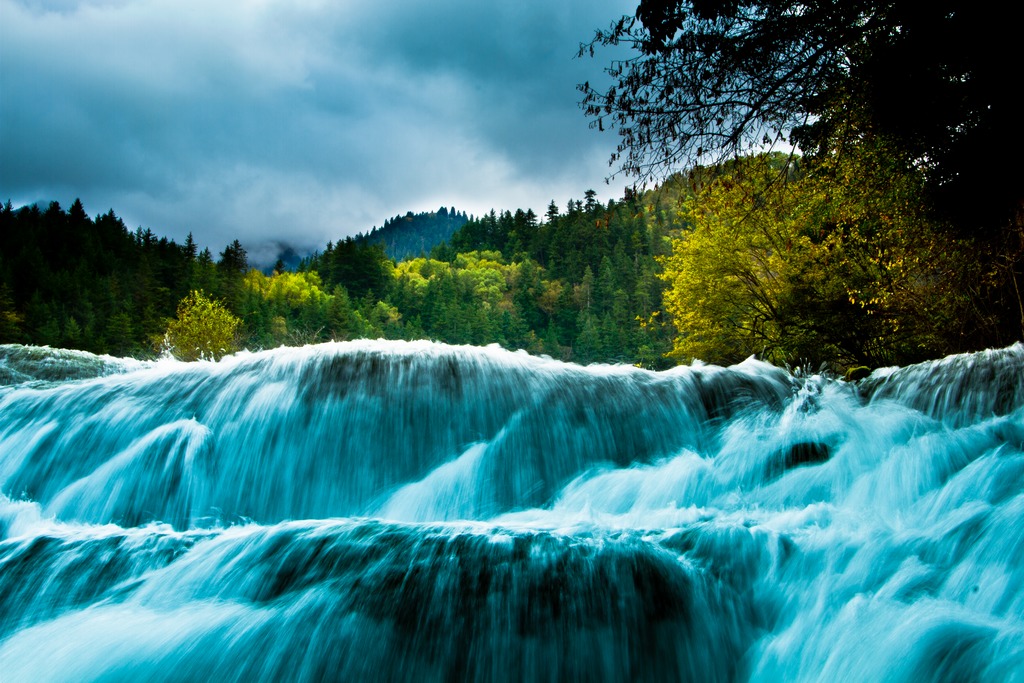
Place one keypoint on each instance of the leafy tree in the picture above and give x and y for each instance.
(203, 329)
(711, 78)
(838, 266)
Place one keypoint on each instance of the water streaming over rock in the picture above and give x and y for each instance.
(414, 511)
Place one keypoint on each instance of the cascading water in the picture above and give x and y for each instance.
(414, 511)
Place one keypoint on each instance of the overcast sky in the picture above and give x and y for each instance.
(297, 120)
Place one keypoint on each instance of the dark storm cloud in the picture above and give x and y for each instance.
(296, 121)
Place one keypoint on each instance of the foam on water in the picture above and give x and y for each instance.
(393, 510)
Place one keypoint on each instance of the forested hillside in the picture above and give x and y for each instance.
(70, 280)
(580, 284)
(840, 264)
(415, 233)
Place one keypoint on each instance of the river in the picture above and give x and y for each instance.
(378, 510)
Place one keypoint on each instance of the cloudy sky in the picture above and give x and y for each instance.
(297, 120)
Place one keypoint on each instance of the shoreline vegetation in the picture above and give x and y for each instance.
(837, 267)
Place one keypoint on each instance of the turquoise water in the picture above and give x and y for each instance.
(414, 511)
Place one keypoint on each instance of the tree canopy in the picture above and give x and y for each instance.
(707, 79)
(840, 264)
(836, 265)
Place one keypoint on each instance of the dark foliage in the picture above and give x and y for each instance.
(415, 233)
(72, 281)
(709, 78)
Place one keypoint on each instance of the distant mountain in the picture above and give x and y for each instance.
(412, 234)
(285, 258)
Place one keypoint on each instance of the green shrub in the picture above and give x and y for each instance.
(203, 329)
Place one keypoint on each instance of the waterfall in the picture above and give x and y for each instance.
(416, 511)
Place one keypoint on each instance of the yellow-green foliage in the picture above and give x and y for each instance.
(417, 272)
(285, 308)
(481, 274)
(486, 275)
(726, 274)
(287, 291)
(203, 329)
(841, 265)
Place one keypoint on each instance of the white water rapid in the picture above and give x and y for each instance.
(415, 511)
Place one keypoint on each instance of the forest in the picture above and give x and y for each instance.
(835, 265)
(581, 284)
